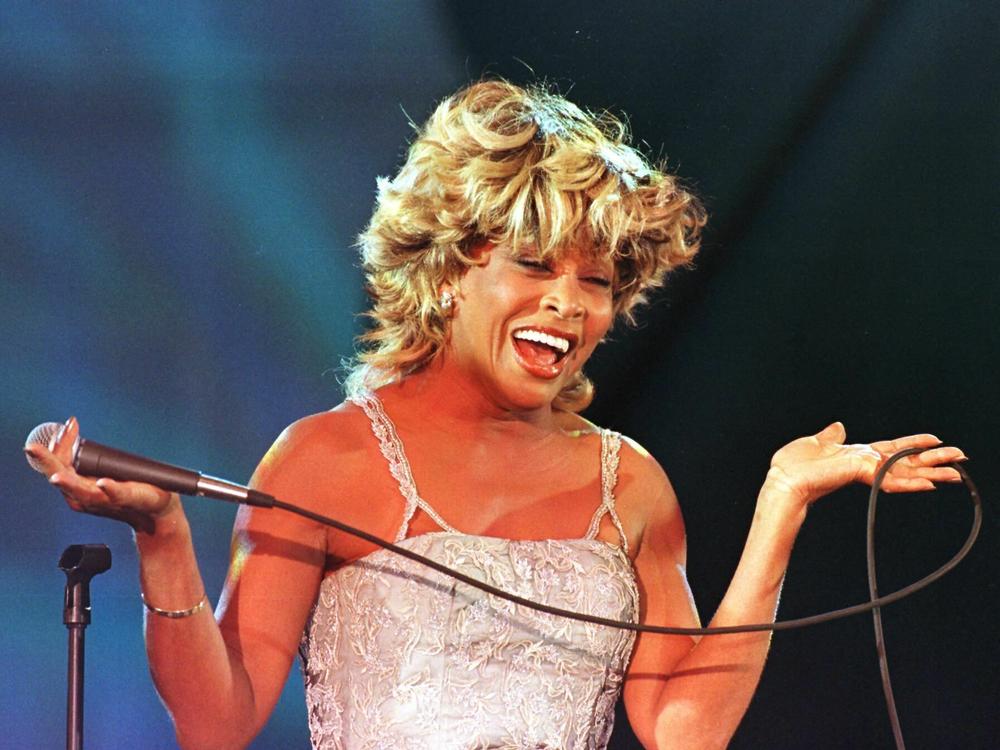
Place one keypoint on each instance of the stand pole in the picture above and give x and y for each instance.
(80, 563)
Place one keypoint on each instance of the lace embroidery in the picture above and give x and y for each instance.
(611, 443)
(392, 448)
(399, 656)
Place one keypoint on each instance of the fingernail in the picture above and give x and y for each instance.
(55, 479)
(57, 437)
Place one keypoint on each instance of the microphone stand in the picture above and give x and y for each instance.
(80, 563)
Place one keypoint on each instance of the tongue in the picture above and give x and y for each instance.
(536, 353)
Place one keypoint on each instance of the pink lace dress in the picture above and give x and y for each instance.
(399, 657)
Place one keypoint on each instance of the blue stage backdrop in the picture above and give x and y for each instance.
(180, 188)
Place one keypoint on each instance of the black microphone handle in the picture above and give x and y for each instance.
(95, 460)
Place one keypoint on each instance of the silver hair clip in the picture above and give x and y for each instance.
(547, 124)
(555, 116)
(627, 164)
(623, 160)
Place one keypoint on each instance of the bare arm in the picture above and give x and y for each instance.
(219, 681)
(682, 693)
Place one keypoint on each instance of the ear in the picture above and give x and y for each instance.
(446, 300)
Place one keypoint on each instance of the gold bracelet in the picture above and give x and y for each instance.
(175, 614)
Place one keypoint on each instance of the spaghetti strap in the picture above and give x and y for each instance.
(611, 443)
(392, 448)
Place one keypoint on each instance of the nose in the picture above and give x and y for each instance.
(564, 297)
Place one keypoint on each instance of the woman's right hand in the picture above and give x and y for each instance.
(144, 507)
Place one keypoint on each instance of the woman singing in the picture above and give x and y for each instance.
(518, 231)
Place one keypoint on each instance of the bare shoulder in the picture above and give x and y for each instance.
(640, 474)
(335, 429)
(642, 482)
(317, 437)
(648, 477)
(647, 498)
(315, 456)
(330, 463)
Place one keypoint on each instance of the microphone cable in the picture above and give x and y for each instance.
(93, 459)
(874, 604)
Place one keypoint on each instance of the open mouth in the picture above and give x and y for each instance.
(542, 350)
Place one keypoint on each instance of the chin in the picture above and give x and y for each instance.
(526, 390)
(533, 396)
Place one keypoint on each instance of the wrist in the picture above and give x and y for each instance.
(170, 527)
(168, 571)
(781, 500)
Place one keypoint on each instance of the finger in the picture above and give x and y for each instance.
(43, 458)
(80, 492)
(907, 484)
(924, 440)
(132, 494)
(118, 494)
(72, 500)
(64, 440)
(939, 456)
(933, 473)
(834, 432)
(941, 474)
(917, 464)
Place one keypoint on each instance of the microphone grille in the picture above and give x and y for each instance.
(41, 435)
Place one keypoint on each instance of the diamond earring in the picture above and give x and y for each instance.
(447, 301)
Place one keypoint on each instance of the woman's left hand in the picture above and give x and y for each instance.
(814, 466)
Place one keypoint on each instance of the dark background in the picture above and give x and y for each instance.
(180, 186)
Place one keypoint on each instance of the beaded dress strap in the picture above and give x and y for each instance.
(392, 448)
(611, 443)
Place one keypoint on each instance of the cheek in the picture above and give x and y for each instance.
(601, 318)
(597, 327)
(481, 320)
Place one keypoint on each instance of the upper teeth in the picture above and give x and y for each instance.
(556, 342)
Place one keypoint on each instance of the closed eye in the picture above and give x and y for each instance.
(534, 265)
(540, 266)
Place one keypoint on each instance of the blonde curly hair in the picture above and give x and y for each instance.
(505, 164)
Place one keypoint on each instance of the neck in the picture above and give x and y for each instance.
(443, 393)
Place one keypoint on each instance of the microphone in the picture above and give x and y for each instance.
(95, 460)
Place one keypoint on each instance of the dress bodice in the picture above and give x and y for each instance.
(399, 656)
